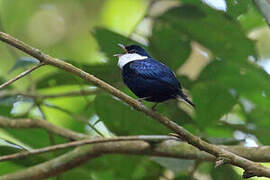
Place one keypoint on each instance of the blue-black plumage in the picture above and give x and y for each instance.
(148, 78)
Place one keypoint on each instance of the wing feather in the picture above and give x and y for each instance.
(152, 69)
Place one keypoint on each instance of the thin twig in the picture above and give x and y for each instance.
(83, 142)
(33, 123)
(264, 8)
(50, 135)
(15, 56)
(251, 168)
(21, 75)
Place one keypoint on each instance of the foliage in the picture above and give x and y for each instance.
(231, 89)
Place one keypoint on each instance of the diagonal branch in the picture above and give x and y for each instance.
(251, 168)
(21, 75)
(264, 7)
(33, 123)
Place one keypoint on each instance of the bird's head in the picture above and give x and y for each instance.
(131, 53)
(133, 49)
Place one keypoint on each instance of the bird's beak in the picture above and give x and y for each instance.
(124, 48)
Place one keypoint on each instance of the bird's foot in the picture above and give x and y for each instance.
(154, 107)
(141, 99)
(141, 103)
(176, 136)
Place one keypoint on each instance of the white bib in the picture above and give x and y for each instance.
(126, 58)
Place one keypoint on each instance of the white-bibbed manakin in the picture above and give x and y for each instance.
(148, 78)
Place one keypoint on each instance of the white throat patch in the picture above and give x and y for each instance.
(126, 58)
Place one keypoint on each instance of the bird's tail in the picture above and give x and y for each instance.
(183, 97)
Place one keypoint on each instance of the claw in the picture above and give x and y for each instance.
(154, 107)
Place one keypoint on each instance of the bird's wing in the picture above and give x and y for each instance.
(152, 69)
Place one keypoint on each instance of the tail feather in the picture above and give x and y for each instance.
(184, 98)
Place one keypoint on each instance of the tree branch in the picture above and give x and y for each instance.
(21, 75)
(53, 167)
(264, 8)
(33, 123)
(147, 138)
(165, 146)
(137, 145)
(251, 168)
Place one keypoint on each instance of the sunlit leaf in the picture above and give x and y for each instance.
(213, 29)
(221, 83)
(176, 165)
(108, 42)
(123, 120)
(111, 167)
(107, 72)
(169, 46)
(252, 19)
(224, 173)
(235, 8)
(8, 167)
(212, 101)
(9, 144)
(241, 78)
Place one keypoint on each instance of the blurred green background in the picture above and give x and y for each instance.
(218, 49)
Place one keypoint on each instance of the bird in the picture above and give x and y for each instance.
(147, 78)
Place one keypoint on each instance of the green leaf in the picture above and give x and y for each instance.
(171, 109)
(183, 177)
(176, 165)
(224, 173)
(5, 110)
(211, 28)
(14, 19)
(251, 19)
(2, 81)
(221, 83)
(169, 46)
(26, 136)
(259, 117)
(107, 72)
(8, 167)
(5, 135)
(121, 119)
(108, 41)
(58, 78)
(8, 145)
(243, 78)
(235, 8)
(111, 167)
(212, 101)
